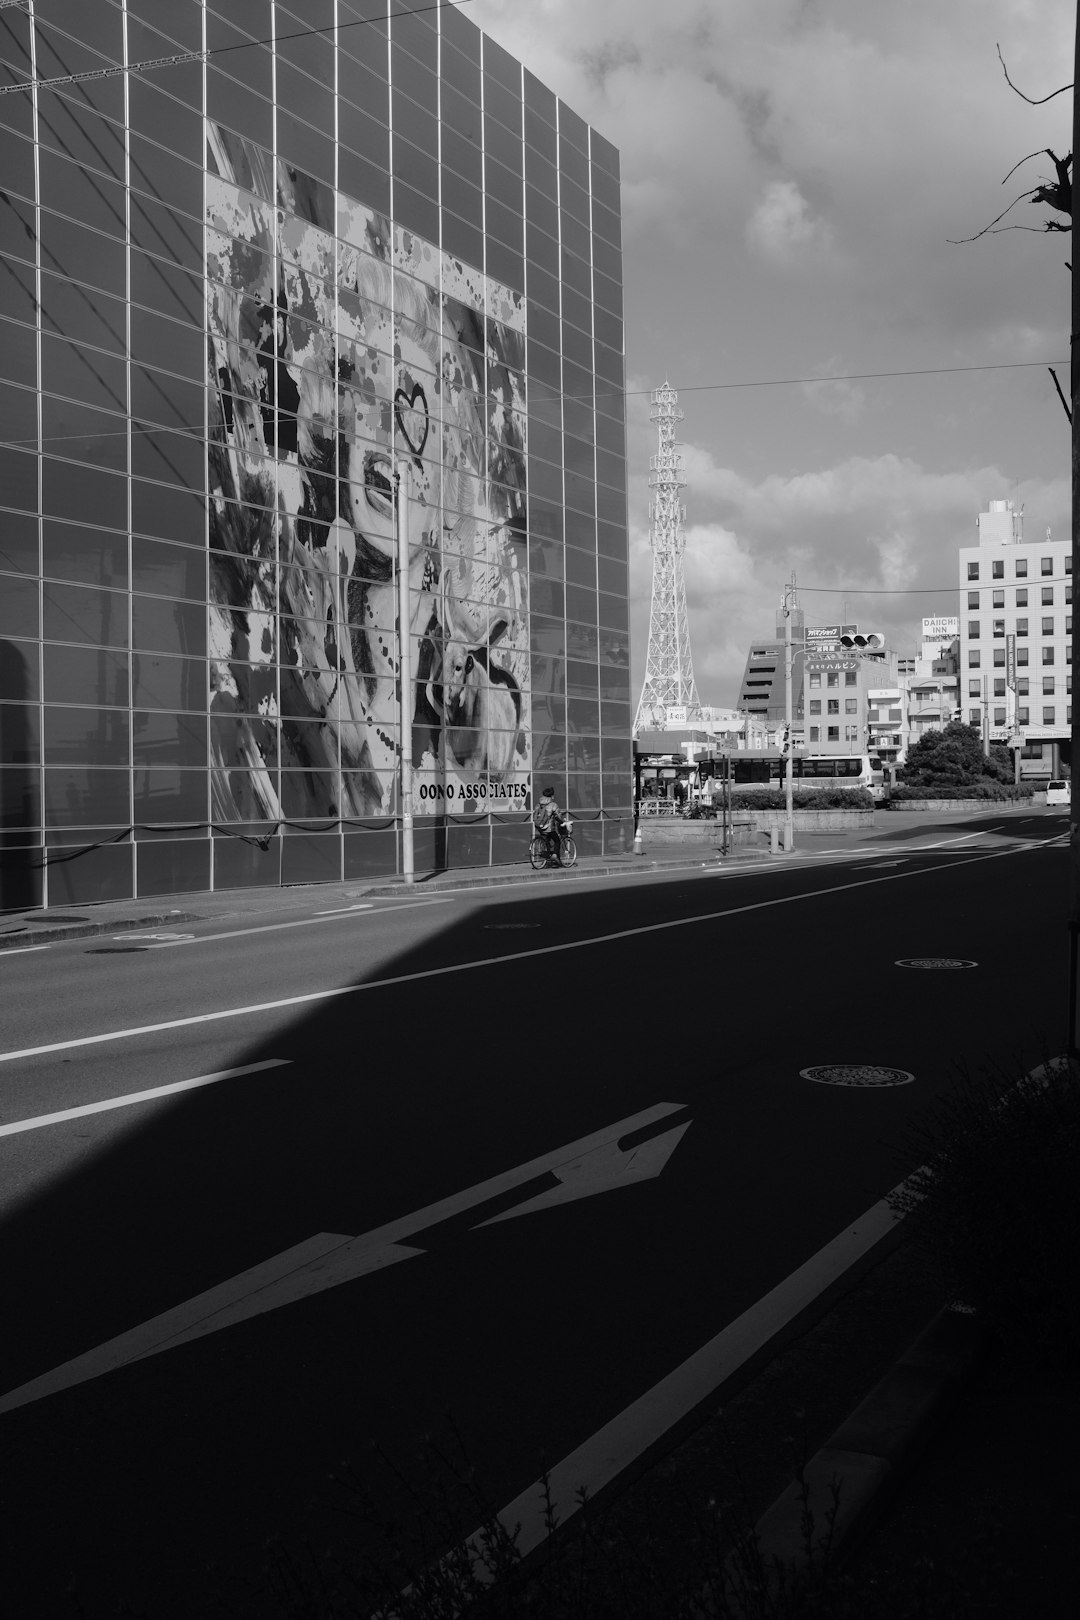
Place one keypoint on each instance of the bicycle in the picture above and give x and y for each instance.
(547, 847)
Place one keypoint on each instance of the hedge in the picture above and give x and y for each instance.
(802, 798)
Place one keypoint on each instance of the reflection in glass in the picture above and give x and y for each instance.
(170, 795)
(77, 796)
(72, 613)
(88, 556)
(169, 739)
(18, 545)
(168, 683)
(19, 724)
(86, 736)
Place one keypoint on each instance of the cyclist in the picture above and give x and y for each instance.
(548, 818)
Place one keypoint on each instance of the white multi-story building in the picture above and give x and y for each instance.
(933, 678)
(1016, 638)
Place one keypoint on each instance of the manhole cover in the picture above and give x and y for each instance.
(935, 962)
(856, 1074)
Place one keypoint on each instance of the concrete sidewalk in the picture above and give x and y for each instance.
(24, 929)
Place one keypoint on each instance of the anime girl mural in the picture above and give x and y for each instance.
(339, 348)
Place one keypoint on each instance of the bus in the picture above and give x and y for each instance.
(765, 768)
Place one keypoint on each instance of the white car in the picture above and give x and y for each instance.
(1059, 792)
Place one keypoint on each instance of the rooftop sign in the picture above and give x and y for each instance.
(940, 629)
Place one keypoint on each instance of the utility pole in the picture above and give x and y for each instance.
(789, 823)
(1073, 1040)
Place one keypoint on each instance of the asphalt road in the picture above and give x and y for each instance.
(437, 1061)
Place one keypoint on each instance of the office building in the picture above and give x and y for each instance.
(1016, 638)
(256, 258)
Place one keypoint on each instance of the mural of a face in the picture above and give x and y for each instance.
(340, 349)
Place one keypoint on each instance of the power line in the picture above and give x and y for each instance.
(851, 376)
(930, 590)
(153, 64)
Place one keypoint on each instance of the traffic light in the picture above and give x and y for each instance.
(868, 641)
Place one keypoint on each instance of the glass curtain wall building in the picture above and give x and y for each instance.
(257, 256)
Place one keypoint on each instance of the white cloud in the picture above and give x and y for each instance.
(782, 228)
(873, 539)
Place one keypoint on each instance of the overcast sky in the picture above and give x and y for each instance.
(792, 170)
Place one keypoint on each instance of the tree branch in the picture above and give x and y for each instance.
(956, 240)
(1061, 396)
(1029, 99)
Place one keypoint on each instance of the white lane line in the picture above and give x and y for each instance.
(270, 928)
(313, 996)
(339, 911)
(132, 1097)
(614, 1447)
(21, 950)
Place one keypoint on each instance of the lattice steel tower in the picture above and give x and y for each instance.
(669, 672)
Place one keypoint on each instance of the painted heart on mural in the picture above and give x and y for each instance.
(411, 411)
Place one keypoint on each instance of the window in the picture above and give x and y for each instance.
(1023, 685)
(834, 706)
(1068, 594)
(1048, 685)
(834, 734)
(851, 705)
(999, 688)
(1048, 624)
(973, 717)
(999, 627)
(973, 570)
(1022, 597)
(974, 658)
(999, 717)
(999, 598)
(1046, 565)
(999, 658)
(851, 678)
(974, 688)
(832, 680)
(998, 569)
(815, 733)
(1048, 596)
(1048, 714)
(1023, 716)
(815, 705)
(1068, 563)
(1021, 568)
(1048, 655)
(1021, 627)
(1021, 655)
(973, 629)
(1068, 681)
(815, 683)
(973, 600)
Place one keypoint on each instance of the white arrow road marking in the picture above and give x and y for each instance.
(320, 1262)
(600, 1171)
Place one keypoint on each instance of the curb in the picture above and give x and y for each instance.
(495, 879)
(21, 937)
(845, 1484)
